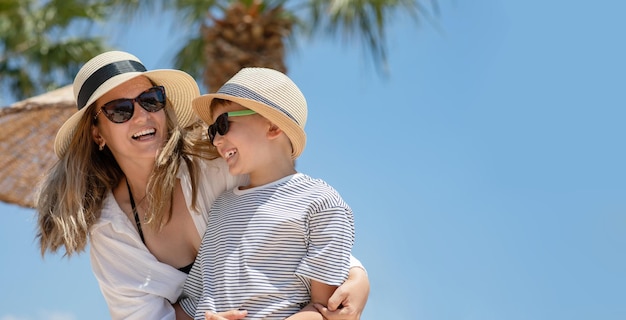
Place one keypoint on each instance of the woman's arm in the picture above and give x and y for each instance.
(227, 315)
(351, 295)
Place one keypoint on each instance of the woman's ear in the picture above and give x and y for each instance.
(95, 135)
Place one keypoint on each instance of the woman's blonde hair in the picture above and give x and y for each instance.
(71, 195)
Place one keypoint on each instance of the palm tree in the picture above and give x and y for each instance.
(37, 53)
(237, 33)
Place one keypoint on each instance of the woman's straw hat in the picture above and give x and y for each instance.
(110, 69)
(268, 92)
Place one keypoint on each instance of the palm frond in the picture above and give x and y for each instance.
(34, 55)
(364, 21)
(190, 58)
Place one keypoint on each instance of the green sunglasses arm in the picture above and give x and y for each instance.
(241, 113)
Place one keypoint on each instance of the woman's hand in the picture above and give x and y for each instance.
(351, 296)
(227, 315)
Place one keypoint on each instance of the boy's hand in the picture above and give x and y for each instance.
(345, 313)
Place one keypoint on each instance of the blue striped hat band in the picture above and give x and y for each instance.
(237, 90)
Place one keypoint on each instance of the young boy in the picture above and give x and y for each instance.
(281, 243)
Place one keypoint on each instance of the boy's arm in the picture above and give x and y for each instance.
(320, 293)
(351, 295)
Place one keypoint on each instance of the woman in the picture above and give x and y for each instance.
(133, 176)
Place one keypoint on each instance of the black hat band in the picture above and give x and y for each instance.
(103, 74)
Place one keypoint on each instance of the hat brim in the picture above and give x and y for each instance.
(180, 89)
(295, 133)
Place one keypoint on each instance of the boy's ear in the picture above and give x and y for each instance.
(274, 131)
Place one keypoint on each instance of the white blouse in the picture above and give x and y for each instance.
(133, 282)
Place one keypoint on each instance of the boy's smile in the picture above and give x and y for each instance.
(239, 139)
(250, 144)
(229, 154)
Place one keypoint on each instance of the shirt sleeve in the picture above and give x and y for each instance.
(133, 282)
(330, 240)
(354, 262)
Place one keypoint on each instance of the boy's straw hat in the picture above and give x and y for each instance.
(268, 92)
(110, 69)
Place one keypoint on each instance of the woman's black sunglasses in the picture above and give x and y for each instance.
(121, 110)
(221, 124)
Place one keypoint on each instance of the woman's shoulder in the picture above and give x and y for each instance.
(213, 178)
(215, 171)
(110, 214)
(217, 164)
(203, 164)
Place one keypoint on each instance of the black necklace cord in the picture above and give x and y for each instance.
(132, 204)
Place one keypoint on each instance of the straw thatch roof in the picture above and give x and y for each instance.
(27, 136)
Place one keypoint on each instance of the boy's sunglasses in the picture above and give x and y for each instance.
(221, 124)
(121, 110)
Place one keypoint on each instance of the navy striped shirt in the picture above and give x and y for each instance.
(263, 245)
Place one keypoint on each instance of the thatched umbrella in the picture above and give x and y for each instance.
(27, 131)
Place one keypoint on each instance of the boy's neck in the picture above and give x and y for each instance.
(271, 174)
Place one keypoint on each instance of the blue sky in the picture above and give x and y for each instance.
(486, 172)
